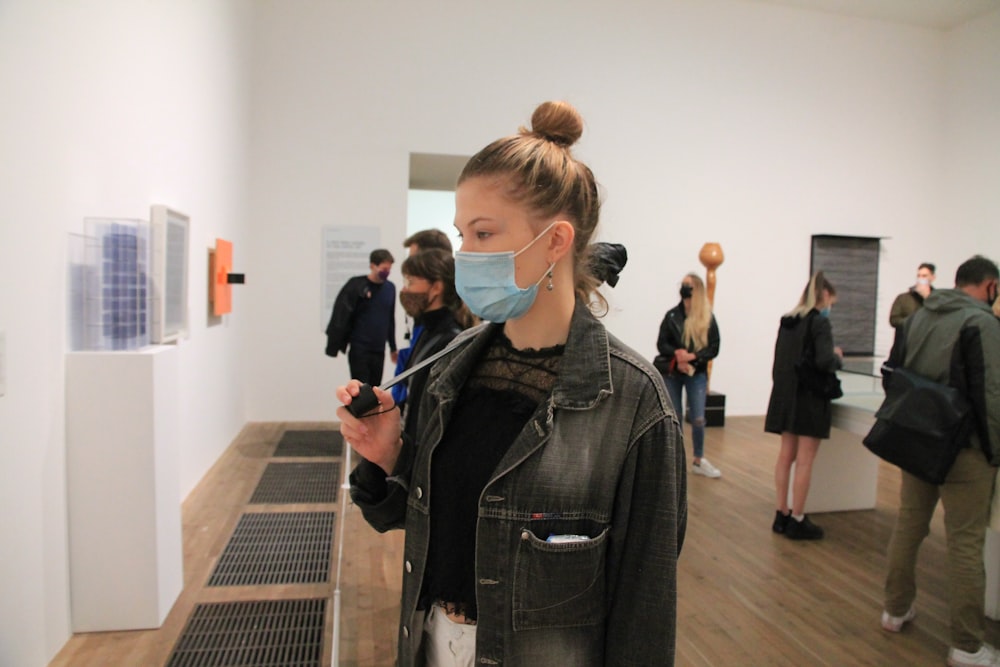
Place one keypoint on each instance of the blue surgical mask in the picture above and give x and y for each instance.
(825, 312)
(485, 281)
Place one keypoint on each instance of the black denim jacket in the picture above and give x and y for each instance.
(602, 458)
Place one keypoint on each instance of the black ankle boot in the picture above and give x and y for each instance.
(802, 530)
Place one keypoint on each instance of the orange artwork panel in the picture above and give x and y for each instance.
(222, 291)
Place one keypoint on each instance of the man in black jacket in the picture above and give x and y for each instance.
(954, 340)
(363, 319)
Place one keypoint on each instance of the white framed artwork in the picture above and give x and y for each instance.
(169, 274)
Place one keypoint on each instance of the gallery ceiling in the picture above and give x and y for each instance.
(940, 14)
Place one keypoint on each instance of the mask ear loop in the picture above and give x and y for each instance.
(540, 235)
(547, 274)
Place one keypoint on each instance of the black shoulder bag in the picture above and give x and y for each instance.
(921, 425)
(824, 384)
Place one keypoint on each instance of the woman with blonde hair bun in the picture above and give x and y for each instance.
(543, 489)
(688, 340)
(795, 412)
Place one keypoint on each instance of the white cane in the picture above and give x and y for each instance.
(345, 488)
(361, 404)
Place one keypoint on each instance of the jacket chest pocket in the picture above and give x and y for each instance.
(559, 584)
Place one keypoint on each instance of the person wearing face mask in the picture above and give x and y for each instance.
(428, 296)
(909, 301)
(544, 497)
(954, 340)
(363, 320)
(799, 416)
(688, 340)
(425, 239)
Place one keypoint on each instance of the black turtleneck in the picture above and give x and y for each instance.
(496, 401)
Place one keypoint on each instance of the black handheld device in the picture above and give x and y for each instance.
(366, 401)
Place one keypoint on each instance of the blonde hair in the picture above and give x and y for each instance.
(542, 174)
(811, 295)
(699, 316)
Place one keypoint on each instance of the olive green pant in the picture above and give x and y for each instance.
(965, 495)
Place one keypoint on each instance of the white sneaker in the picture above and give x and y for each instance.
(895, 623)
(986, 656)
(705, 468)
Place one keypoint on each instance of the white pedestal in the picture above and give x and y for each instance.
(844, 476)
(991, 558)
(126, 557)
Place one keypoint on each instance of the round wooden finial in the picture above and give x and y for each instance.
(711, 255)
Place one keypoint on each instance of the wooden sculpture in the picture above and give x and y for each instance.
(711, 257)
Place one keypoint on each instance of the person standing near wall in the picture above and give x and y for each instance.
(688, 340)
(798, 415)
(544, 500)
(909, 301)
(363, 320)
(954, 340)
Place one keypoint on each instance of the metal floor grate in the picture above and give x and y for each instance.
(277, 548)
(298, 483)
(310, 443)
(275, 633)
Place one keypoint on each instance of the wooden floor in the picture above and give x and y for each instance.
(747, 596)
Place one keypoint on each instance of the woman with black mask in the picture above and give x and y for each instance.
(428, 296)
(688, 340)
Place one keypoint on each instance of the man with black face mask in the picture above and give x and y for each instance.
(955, 340)
(363, 319)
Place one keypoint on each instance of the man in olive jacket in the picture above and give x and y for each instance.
(909, 301)
(954, 340)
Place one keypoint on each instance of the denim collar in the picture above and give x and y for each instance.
(584, 370)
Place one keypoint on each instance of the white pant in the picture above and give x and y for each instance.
(447, 643)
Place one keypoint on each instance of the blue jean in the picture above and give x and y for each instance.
(696, 387)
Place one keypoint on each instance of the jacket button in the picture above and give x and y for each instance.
(525, 535)
(419, 493)
(409, 566)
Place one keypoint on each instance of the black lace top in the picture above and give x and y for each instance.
(503, 391)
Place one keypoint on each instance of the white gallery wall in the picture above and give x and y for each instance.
(750, 124)
(107, 107)
(972, 136)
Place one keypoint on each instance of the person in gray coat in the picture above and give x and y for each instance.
(799, 416)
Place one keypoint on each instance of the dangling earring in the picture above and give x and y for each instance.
(549, 286)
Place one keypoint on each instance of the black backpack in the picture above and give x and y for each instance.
(922, 424)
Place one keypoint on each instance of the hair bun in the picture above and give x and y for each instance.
(558, 122)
